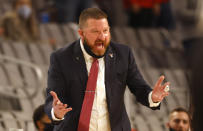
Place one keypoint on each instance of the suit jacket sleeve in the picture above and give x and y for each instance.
(56, 83)
(136, 83)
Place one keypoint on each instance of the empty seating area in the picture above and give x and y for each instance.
(24, 66)
(156, 53)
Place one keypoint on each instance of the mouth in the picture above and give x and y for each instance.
(99, 45)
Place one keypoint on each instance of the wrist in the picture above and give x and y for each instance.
(54, 116)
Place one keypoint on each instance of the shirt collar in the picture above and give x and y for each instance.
(86, 55)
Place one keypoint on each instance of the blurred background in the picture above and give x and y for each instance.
(163, 34)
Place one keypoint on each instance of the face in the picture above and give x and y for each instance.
(179, 121)
(96, 33)
(41, 123)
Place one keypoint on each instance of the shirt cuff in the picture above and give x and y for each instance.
(151, 103)
(53, 116)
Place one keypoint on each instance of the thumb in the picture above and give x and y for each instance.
(54, 95)
(159, 81)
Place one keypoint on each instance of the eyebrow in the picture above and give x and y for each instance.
(181, 119)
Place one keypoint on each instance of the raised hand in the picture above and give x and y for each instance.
(60, 109)
(160, 91)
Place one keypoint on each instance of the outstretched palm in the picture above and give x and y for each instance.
(159, 91)
(60, 109)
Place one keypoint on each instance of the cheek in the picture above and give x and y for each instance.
(173, 124)
(187, 126)
(108, 37)
(91, 39)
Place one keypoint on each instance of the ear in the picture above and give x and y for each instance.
(81, 33)
(40, 125)
(167, 125)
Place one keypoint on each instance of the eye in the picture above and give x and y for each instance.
(106, 31)
(185, 121)
(95, 31)
(176, 120)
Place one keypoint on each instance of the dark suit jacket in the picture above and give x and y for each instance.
(68, 77)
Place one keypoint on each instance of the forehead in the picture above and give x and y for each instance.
(179, 115)
(97, 23)
(45, 118)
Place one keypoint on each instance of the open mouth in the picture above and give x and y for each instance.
(99, 45)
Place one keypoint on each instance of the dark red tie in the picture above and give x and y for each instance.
(86, 110)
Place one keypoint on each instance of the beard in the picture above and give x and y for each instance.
(98, 49)
(171, 129)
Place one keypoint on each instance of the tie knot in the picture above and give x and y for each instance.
(95, 62)
(95, 59)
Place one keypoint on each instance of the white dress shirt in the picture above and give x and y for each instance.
(99, 120)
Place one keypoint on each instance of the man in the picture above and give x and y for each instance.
(41, 120)
(20, 24)
(179, 120)
(76, 101)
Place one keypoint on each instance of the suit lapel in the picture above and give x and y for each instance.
(81, 65)
(110, 58)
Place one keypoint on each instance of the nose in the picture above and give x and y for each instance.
(101, 36)
(181, 125)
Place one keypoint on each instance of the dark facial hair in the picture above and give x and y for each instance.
(88, 50)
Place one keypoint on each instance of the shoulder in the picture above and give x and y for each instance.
(119, 45)
(120, 48)
(67, 50)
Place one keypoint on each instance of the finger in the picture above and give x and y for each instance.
(54, 95)
(64, 111)
(158, 83)
(165, 86)
(65, 105)
(56, 101)
(61, 106)
(60, 103)
(165, 94)
(67, 109)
